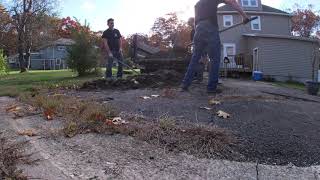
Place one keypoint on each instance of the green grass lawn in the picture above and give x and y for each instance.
(16, 83)
(293, 85)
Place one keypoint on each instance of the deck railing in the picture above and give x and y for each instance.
(237, 63)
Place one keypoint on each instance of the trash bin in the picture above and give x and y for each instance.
(257, 75)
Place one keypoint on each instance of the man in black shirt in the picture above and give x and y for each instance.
(113, 47)
(207, 38)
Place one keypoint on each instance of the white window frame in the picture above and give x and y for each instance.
(249, 3)
(253, 22)
(225, 45)
(256, 62)
(62, 48)
(58, 60)
(12, 60)
(227, 18)
(232, 61)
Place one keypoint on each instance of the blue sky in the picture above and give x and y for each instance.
(137, 16)
(134, 16)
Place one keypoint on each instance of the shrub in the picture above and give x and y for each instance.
(83, 56)
(4, 69)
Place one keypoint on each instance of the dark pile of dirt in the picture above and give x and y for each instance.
(161, 78)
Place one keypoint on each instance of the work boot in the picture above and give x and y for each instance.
(109, 80)
(183, 88)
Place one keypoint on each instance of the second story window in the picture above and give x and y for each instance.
(227, 20)
(256, 24)
(250, 3)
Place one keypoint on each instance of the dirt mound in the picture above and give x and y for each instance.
(161, 78)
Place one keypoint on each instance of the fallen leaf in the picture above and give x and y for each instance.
(31, 109)
(28, 132)
(109, 122)
(223, 114)
(55, 95)
(168, 93)
(73, 108)
(118, 121)
(206, 108)
(145, 97)
(155, 96)
(214, 102)
(48, 114)
(13, 108)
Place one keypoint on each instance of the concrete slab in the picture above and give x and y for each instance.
(285, 173)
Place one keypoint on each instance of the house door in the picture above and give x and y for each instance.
(256, 62)
(229, 50)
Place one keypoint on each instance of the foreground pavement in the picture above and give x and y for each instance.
(93, 156)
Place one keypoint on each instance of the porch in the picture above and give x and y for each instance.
(236, 65)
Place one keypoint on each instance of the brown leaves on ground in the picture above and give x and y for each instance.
(145, 97)
(12, 155)
(223, 114)
(149, 97)
(91, 117)
(168, 93)
(214, 102)
(21, 110)
(13, 108)
(48, 114)
(206, 108)
(198, 140)
(28, 132)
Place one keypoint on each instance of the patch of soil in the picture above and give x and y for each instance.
(161, 78)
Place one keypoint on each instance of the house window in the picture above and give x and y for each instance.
(58, 62)
(256, 24)
(61, 48)
(250, 3)
(245, 2)
(229, 51)
(254, 3)
(12, 60)
(227, 20)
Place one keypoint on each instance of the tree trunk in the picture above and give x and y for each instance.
(28, 49)
(20, 52)
(28, 58)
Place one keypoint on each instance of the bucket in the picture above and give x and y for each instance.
(257, 75)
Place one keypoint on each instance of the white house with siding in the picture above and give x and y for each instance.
(52, 56)
(266, 44)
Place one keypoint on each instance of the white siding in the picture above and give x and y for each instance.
(285, 58)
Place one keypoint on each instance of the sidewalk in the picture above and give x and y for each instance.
(93, 156)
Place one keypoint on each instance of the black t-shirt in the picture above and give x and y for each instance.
(207, 10)
(112, 37)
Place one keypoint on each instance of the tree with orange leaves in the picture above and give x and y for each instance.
(169, 32)
(305, 21)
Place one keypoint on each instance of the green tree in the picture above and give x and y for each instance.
(3, 64)
(83, 55)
